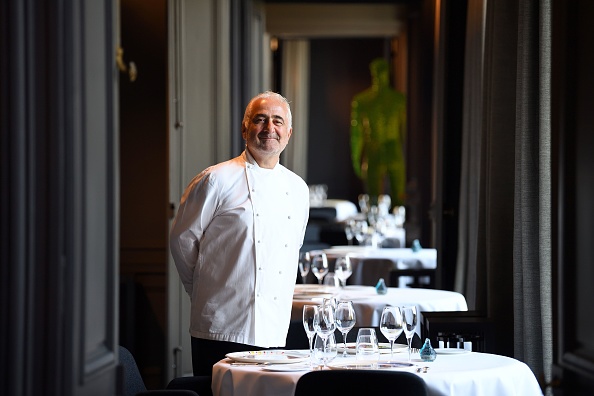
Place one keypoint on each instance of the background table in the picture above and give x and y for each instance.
(369, 264)
(369, 305)
(472, 373)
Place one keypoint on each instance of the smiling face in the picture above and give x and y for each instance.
(266, 129)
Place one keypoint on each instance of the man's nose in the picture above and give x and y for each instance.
(269, 125)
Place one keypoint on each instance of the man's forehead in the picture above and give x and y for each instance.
(273, 109)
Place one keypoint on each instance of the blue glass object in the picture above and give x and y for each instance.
(427, 353)
(381, 287)
(416, 246)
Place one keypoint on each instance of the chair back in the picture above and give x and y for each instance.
(360, 382)
(133, 382)
(296, 336)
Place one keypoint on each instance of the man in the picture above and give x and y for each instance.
(236, 238)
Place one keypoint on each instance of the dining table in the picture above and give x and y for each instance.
(370, 263)
(453, 372)
(369, 304)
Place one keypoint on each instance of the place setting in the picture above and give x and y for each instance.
(272, 360)
(321, 321)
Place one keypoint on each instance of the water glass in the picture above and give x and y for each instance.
(324, 354)
(367, 346)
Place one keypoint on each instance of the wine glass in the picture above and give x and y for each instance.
(319, 266)
(391, 325)
(304, 265)
(349, 231)
(345, 320)
(309, 313)
(409, 323)
(343, 269)
(361, 228)
(324, 322)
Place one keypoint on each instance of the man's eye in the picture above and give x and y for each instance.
(278, 122)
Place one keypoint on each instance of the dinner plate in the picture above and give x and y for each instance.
(450, 351)
(287, 367)
(346, 249)
(278, 356)
(384, 347)
(309, 288)
(311, 296)
(368, 365)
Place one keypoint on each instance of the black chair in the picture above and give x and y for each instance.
(417, 274)
(360, 382)
(296, 336)
(132, 383)
(459, 326)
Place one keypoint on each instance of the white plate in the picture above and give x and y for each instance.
(287, 367)
(310, 288)
(347, 249)
(384, 347)
(367, 365)
(277, 356)
(450, 351)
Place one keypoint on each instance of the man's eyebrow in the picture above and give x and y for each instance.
(275, 116)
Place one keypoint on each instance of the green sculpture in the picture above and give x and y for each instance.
(378, 133)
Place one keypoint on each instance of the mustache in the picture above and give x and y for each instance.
(266, 135)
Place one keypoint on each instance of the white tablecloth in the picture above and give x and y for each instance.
(370, 264)
(476, 374)
(369, 305)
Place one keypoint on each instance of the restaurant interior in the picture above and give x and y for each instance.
(108, 109)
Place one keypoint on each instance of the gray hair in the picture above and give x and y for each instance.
(265, 95)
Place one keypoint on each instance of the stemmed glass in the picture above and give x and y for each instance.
(324, 355)
(309, 313)
(391, 325)
(324, 323)
(361, 229)
(345, 320)
(343, 269)
(409, 322)
(349, 231)
(319, 266)
(304, 264)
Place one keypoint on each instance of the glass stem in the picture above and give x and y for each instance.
(311, 357)
(324, 352)
(391, 349)
(409, 340)
(344, 352)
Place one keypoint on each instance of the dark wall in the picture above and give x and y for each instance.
(339, 69)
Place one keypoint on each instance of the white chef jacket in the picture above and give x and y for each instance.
(235, 242)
